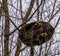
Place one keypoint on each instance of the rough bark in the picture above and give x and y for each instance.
(32, 51)
(6, 30)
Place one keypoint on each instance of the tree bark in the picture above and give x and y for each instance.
(37, 3)
(6, 30)
(0, 11)
(32, 51)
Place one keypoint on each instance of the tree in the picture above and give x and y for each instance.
(16, 14)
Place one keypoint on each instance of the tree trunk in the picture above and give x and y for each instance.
(32, 51)
(6, 30)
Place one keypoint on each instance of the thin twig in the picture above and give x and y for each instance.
(57, 22)
(52, 11)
